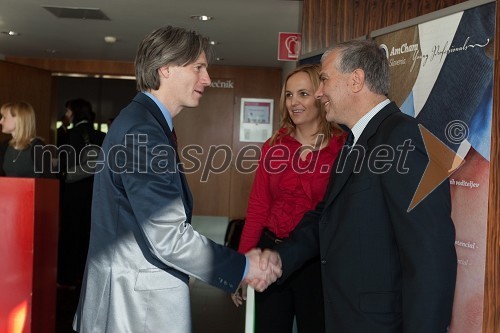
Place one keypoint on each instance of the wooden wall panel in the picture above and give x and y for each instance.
(209, 126)
(340, 15)
(31, 85)
(375, 14)
(359, 17)
(392, 11)
(491, 317)
(312, 27)
(409, 9)
(426, 6)
(97, 67)
(327, 22)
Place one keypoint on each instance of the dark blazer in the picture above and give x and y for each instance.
(142, 246)
(40, 160)
(384, 269)
(80, 136)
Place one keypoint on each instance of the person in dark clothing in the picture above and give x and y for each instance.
(62, 131)
(77, 201)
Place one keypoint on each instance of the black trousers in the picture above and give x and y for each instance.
(300, 296)
(74, 231)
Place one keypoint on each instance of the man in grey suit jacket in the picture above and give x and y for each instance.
(142, 246)
(385, 268)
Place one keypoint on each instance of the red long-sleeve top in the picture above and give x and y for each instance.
(285, 187)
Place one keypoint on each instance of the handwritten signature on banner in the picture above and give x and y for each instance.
(438, 51)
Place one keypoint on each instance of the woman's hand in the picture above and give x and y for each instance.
(240, 295)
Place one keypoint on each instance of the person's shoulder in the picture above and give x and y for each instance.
(400, 122)
(3, 148)
(37, 141)
(74, 130)
(282, 137)
(399, 128)
(135, 112)
(141, 102)
(403, 117)
(98, 137)
(267, 145)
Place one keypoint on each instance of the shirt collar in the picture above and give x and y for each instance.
(81, 122)
(163, 109)
(360, 126)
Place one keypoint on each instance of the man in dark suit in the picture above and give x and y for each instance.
(384, 269)
(142, 245)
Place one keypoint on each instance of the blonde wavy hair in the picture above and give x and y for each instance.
(25, 123)
(327, 129)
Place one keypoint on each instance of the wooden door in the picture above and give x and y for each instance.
(204, 137)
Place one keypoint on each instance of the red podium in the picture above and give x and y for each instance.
(29, 217)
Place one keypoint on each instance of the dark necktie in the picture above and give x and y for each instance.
(350, 139)
(175, 138)
(346, 149)
(175, 148)
(186, 195)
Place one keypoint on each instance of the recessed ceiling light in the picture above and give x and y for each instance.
(110, 39)
(11, 33)
(213, 42)
(219, 59)
(201, 17)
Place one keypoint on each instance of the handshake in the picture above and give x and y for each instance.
(264, 268)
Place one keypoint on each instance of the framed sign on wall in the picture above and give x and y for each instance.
(256, 119)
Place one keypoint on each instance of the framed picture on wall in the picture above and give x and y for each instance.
(256, 119)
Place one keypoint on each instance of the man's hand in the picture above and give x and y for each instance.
(269, 257)
(264, 268)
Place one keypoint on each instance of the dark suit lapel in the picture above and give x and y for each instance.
(151, 106)
(156, 112)
(346, 165)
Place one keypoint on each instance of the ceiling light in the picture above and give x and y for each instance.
(201, 17)
(110, 39)
(11, 33)
(219, 59)
(213, 42)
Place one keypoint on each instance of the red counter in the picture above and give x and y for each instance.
(29, 215)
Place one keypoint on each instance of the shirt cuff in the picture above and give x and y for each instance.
(246, 269)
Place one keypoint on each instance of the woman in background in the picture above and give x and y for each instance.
(22, 155)
(291, 178)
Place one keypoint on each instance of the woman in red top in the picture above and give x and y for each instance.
(290, 180)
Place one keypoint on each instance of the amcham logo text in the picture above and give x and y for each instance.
(404, 48)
